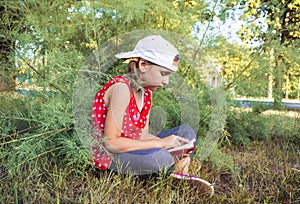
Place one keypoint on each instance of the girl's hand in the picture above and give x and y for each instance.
(172, 141)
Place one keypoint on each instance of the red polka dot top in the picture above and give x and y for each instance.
(134, 120)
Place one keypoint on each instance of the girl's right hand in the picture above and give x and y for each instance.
(173, 141)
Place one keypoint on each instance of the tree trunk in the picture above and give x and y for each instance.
(7, 76)
(278, 83)
(7, 79)
(287, 86)
(270, 87)
(270, 82)
(299, 89)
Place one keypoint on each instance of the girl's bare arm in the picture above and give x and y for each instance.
(117, 102)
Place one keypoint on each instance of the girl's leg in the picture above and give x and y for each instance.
(183, 131)
(150, 161)
(142, 162)
(181, 165)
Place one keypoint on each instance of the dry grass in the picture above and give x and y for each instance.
(264, 171)
(268, 173)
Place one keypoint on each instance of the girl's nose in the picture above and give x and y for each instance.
(165, 81)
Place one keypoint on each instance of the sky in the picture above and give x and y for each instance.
(228, 29)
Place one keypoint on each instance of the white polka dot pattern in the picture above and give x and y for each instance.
(134, 120)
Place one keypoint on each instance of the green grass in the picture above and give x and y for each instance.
(41, 161)
(268, 173)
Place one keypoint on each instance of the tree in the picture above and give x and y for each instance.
(10, 25)
(275, 25)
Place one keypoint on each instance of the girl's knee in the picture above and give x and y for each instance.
(188, 132)
(163, 160)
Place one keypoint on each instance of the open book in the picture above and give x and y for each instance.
(178, 151)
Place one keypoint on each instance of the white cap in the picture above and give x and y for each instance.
(156, 50)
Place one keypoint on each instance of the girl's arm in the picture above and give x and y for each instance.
(117, 101)
(146, 135)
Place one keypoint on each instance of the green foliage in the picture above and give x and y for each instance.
(289, 128)
(245, 127)
(263, 176)
(167, 102)
(259, 107)
(55, 40)
(183, 100)
(276, 38)
(42, 157)
(261, 123)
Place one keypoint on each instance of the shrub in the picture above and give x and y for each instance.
(246, 126)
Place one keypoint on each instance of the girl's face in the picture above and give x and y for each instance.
(154, 76)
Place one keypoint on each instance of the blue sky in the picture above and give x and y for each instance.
(228, 29)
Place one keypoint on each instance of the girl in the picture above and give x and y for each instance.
(121, 111)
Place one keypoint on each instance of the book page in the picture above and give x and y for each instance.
(182, 149)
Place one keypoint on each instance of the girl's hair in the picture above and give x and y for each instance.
(131, 65)
(135, 61)
(132, 62)
(176, 58)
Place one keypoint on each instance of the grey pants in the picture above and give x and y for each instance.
(153, 160)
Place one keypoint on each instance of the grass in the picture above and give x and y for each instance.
(268, 173)
(52, 169)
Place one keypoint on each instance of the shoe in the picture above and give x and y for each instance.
(200, 185)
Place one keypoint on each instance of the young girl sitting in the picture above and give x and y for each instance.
(121, 110)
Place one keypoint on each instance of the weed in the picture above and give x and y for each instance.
(46, 163)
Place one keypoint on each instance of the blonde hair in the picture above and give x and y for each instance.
(131, 63)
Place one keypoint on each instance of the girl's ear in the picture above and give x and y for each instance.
(142, 65)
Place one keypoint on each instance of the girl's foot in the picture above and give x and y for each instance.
(200, 185)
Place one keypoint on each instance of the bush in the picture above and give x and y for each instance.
(246, 126)
(286, 128)
(35, 130)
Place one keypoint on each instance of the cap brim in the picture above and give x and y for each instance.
(125, 55)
